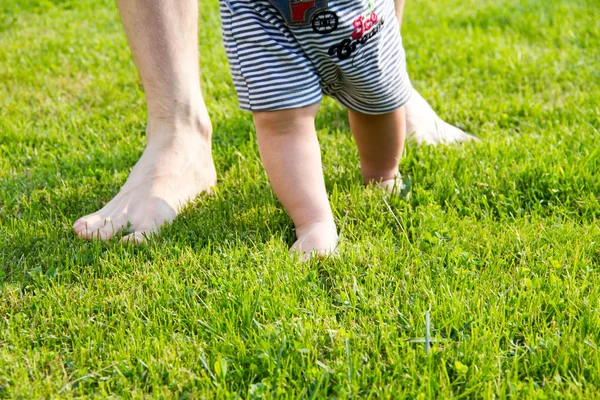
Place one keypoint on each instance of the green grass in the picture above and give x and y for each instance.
(500, 239)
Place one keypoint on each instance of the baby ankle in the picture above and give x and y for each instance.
(306, 228)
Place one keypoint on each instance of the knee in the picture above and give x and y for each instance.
(284, 121)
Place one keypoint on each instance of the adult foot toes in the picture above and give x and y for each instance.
(171, 172)
(138, 237)
(102, 233)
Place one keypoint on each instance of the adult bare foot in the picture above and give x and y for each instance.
(177, 163)
(425, 127)
(174, 168)
(315, 240)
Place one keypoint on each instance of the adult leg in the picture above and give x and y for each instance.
(424, 126)
(290, 152)
(177, 163)
(380, 141)
(399, 4)
(422, 123)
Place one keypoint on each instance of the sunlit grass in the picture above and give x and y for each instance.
(499, 240)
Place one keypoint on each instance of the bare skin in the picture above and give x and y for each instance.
(291, 156)
(399, 5)
(423, 125)
(380, 141)
(290, 152)
(177, 163)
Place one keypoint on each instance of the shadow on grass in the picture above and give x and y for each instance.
(43, 246)
(40, 206)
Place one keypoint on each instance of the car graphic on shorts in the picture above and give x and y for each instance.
(299, 12)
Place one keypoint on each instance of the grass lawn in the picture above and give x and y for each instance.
(499, 240)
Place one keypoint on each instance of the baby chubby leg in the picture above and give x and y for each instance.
(380, 141)
(290, 152)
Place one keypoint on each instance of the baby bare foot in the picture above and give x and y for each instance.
(425, 127)
(391, 185)
(172, 171)
(395, 186)
(315, 240)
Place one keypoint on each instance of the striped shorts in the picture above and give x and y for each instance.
(288, 53)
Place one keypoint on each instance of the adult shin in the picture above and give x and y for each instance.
(177, 164)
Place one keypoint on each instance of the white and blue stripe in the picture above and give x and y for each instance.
(277, 67)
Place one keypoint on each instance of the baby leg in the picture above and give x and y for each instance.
(380, 141)
(290, 153)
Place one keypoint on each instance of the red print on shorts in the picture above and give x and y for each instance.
(364, 22)
(366, 26)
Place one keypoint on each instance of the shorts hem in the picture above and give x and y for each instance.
(249, 108)
(376, 111)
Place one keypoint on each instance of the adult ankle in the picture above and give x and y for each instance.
(185, 113)
(195, 123)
